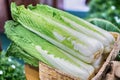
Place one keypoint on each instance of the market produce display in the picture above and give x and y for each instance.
(58, 39)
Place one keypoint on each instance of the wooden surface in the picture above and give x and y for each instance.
(47, 73)
(31, 73)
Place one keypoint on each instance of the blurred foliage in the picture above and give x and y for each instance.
(10, 69)
(106, 9)
(118, 57)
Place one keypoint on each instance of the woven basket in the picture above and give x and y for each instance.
(45, 72)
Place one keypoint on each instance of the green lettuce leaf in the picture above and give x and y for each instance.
(104, 24)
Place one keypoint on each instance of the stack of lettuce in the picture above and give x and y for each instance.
(58, 39)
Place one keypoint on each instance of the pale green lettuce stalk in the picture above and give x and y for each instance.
(71, 41)
(76, 24)
(46, 52)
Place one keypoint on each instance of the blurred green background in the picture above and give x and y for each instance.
(105, 9)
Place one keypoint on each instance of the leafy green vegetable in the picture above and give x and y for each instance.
(104, 24)
(75, 23)
(70, 40)
(15, 51)
(42, 50)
